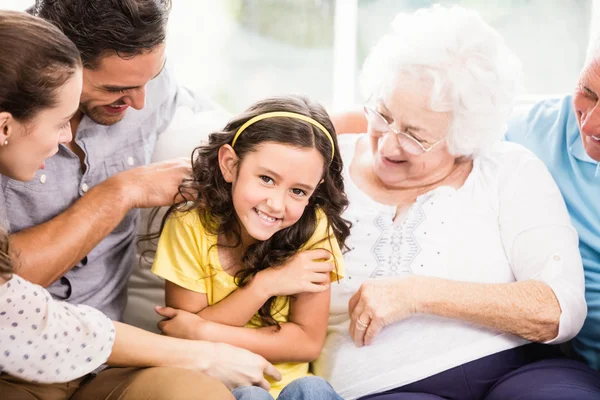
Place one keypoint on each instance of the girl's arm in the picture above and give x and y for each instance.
(235, 310)
(303, 273)
(299, 340)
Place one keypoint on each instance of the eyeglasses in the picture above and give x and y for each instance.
(381, 126)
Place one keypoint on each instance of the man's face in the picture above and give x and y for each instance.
(119, 83)
(586, 103)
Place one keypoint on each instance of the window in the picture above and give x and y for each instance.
(550, 37)
(237, 51)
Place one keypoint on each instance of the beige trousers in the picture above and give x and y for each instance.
(121, 384)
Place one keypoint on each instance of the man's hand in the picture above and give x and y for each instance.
(306, 272)
(153, 185)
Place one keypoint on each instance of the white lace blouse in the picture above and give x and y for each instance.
(507, 223)
(48, 341)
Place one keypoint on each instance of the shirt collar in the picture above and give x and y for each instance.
(578, 151)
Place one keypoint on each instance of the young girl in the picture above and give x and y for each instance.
(254, 253)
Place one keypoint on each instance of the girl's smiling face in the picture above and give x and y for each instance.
(271, 186)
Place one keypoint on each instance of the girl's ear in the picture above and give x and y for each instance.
(228, 162)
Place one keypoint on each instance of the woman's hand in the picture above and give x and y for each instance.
(235, 367)
(379, 303)
(238, 367)
(306, 272)
(182, 324)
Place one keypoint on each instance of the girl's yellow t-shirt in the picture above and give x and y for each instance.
(187, 255)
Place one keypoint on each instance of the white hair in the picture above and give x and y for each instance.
(473, 74)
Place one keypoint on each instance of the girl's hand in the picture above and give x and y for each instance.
(182, 324)
(379, 303)
(306, 272)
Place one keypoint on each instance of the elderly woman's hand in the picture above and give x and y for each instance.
(379, 303)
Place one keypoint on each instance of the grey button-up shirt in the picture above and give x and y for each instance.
(99, 279)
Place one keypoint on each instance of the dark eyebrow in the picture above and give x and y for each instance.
(112, 88)
(307, 188)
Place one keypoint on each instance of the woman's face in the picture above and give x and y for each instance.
(31, 143)
(407, 108)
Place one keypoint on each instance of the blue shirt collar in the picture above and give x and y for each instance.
(578, 151)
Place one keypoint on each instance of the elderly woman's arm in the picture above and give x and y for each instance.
(528, 309)
(545, 304)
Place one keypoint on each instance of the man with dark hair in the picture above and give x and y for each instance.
(74, 225)
(122, 46)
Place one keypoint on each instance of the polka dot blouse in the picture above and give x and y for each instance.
(45, 340)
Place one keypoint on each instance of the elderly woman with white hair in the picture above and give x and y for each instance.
(462, 252)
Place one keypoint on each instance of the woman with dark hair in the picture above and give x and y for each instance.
(50, 347)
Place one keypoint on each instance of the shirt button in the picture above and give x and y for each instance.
(556, 258)
(43, 179)
(130, 160)
(85, 188)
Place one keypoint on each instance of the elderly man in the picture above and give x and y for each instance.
(565, 134)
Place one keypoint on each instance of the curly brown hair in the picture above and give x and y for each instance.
(213, 196)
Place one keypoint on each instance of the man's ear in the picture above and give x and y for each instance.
(228, 162)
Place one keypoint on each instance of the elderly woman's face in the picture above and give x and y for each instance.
(407, 109)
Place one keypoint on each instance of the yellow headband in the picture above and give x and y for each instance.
(284, 114)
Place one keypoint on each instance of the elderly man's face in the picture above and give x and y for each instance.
(586, 102)
(119, 83)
